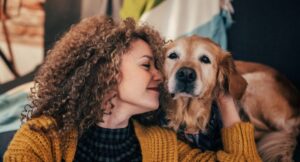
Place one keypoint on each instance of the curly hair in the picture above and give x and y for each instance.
(82, 67)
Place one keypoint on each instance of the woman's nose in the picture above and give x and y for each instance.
(157, 76)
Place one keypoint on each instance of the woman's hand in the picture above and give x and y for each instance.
(228, 110)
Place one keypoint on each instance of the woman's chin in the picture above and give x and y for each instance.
(152, 107)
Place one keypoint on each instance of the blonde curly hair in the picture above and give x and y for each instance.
(82, 67)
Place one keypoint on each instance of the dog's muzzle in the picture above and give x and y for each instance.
(185, 80)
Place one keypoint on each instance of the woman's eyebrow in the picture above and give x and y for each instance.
(148, 56)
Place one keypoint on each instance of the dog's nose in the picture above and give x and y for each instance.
(186, 74)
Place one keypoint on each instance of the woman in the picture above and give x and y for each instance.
(96, 98)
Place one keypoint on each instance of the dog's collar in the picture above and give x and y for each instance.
(209, 140)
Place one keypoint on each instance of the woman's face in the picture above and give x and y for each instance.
(139, 79)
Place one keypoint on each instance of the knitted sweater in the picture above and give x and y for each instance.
(117, 145)
(157, 144)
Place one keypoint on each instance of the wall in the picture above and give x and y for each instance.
(267, 31)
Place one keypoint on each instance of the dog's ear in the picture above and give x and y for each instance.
(228, 79)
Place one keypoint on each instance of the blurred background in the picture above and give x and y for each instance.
(21, 37)
(261, 31)
(253, 30)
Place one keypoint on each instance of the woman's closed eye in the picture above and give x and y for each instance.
(147, 62)
(147, 66)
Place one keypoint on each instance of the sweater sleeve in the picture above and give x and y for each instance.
(31, 145)
(239, 145)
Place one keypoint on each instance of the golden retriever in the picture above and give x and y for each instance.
(197, 69)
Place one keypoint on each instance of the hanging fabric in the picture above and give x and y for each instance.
(177, 18)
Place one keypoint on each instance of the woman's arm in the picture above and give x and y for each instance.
(33, 145)
(239, 145)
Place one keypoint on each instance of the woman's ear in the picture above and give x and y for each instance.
(229, 81)
(107, 103)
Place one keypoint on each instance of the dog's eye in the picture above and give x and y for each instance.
(204, 59)
(173, 55)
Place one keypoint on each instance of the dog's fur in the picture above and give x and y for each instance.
(197, 70)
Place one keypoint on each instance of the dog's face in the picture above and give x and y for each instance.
(196, 70)
(191, 66)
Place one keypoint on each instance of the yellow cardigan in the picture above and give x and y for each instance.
(157, 144)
